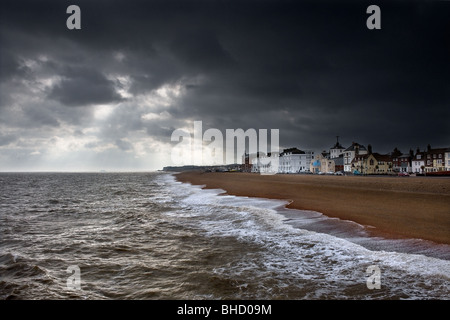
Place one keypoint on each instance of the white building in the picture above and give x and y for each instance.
(336, 150)
(349, 155)
(447, 160)
(290, 160)
(418, 162)
(293, 160)
(404, 163)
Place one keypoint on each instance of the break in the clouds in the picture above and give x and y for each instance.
(109, 96)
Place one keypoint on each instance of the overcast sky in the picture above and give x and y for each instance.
(110, 95)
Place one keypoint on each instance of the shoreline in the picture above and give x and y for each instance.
(390, 207)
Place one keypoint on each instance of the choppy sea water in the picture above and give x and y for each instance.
(147, 236)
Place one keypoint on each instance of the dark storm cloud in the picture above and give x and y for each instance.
(9, 65)
(311, 69)
(200, 49)
(85, 87)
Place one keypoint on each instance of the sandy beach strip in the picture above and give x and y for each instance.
(400, 207)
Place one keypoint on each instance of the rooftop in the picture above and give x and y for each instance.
(293, 151)
(438, 150)
(337, 145)
(377, 156)
(354, 146)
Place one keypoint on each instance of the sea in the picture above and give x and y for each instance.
(146, 236)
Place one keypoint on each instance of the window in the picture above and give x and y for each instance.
(440, 155)
(371, 162)
(419, 157)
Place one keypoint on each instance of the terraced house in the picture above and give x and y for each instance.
(418, 161)
(435, 159)
(431, 160)
(355, 150)
(402, 162)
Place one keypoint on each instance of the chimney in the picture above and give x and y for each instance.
(369, 149)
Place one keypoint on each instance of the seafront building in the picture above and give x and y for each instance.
(293, 160)
(431, 160)
(322, 164)
(403, 163)
(418, 162)
(355, 149)
(329, 161)
(356, 159)
(337, 150)
(435, 160)
(339, 163)
(447, 159)
(372, 163)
